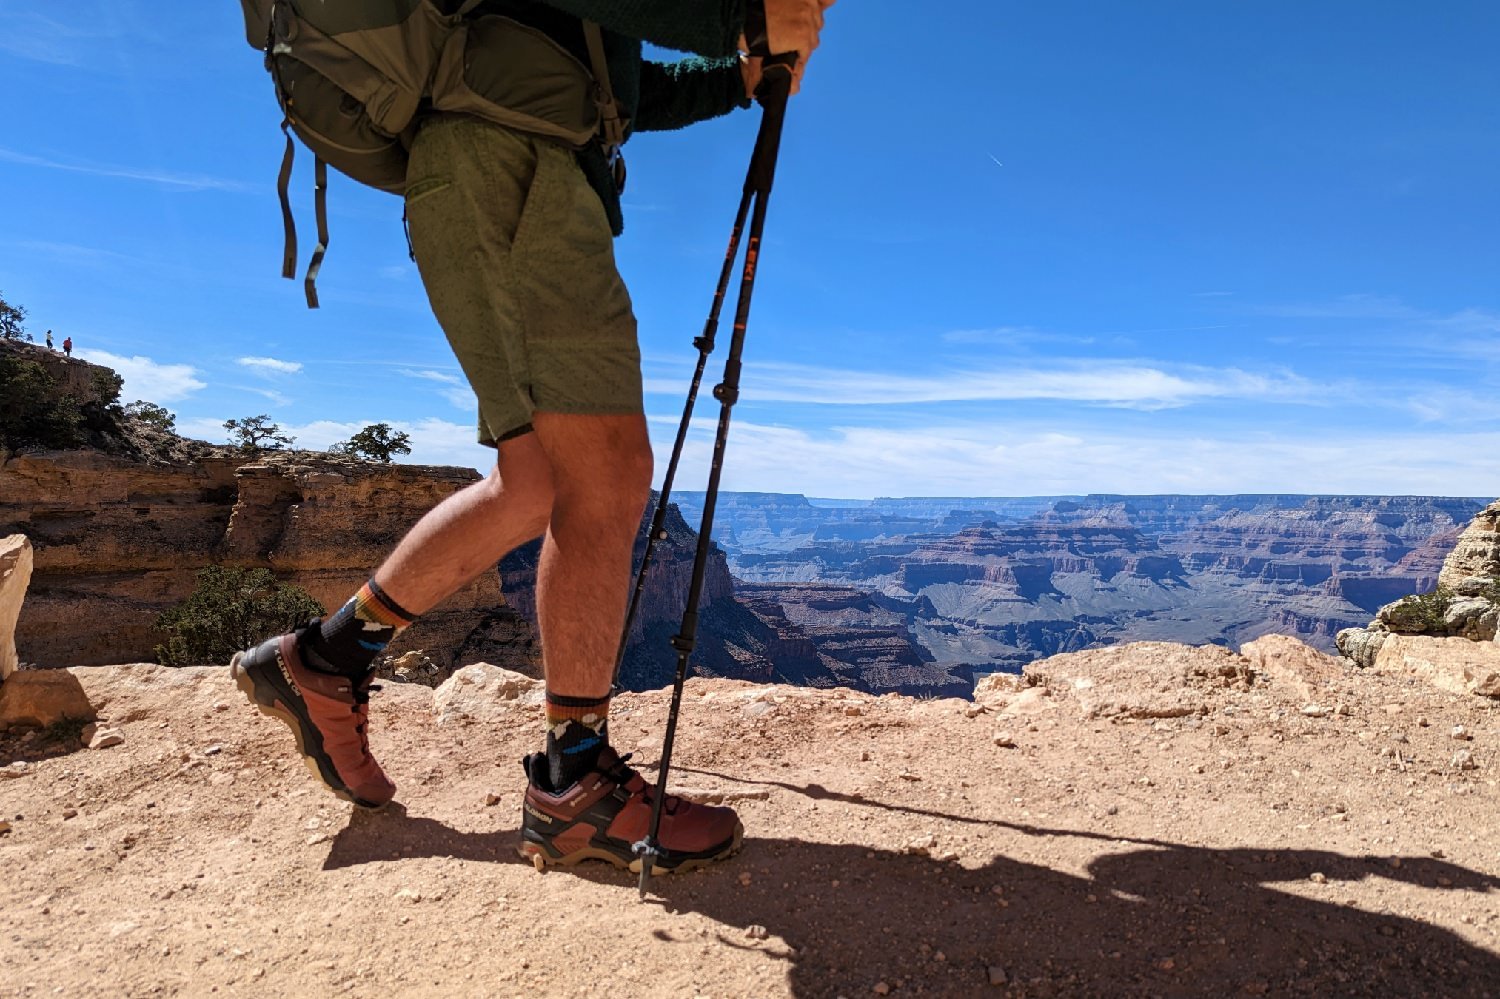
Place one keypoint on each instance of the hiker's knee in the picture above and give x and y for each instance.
(601, 465)
(520, 484)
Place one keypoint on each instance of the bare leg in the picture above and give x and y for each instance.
(471, 530)
(601, 479)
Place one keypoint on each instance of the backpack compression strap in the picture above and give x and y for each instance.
(611, 124)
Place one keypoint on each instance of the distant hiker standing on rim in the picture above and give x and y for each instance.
(512, 230)
(49, 340)
(68, 346)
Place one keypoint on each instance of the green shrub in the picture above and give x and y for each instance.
(232, 609)
(1420, 614)
(154, 416)
(33, 411)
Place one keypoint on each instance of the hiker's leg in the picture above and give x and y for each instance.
(471, 530)
(461, 537)
(601, 478)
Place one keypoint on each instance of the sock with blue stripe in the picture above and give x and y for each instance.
(350, 639)
(577, 729)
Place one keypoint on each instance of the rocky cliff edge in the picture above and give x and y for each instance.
(1147, 819)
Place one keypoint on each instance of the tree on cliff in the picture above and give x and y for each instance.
(375, 442)
(13, 321)
(154, 416)
(256, 433)
(232, 608)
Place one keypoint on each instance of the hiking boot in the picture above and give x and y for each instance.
(327, 715)
(603, 816)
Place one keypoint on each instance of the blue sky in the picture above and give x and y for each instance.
(1013, 248)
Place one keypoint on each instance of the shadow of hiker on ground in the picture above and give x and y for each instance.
(1168, 920)
(1179, 920)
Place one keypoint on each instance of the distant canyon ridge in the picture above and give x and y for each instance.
(990, 584)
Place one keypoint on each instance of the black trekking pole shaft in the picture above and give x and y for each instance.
(705, 345)
(759, 179)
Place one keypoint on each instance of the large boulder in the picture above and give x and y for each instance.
(1285, 660)
(15, 576)
(1456, 665)
(483, 694)
(1477, 553)
(42, 697)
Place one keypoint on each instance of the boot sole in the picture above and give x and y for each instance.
(540, 859)
(246, 683)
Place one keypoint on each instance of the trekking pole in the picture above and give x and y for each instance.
(775, 87)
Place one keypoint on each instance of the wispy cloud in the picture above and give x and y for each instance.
(147, 379)
(455, 389)
(1344, 307)
(979, 459)
(427, 374)
(161, 178)
(1103, 383)
(270, 365)
(28, 34)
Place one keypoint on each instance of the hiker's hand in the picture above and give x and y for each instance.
(791, 26)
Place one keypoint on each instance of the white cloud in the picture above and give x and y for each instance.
(1107, 383)
(983, 460)
(270, 365)
(147, 379)
(161, 178)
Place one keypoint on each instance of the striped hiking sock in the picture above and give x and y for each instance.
(577, 729)
(348, 641)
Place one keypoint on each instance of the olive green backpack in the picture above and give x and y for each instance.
(352, 76)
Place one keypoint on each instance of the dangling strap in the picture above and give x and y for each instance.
(289, 249)
(611, 125)
(320, 200)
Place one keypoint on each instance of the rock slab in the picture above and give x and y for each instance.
(1456, 665)
(43, 697)
(15, 576)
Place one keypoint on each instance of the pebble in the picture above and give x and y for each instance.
(755, 931)
(491, 798)
(1314, 711)
(70, 813)
(1460, 733)
(4, 827)
(997, 975)
(1318, 878)
(20, 768)
(408, 895)
(1463, 760)
(921, 846)
(1005, 740)
(864, 756)
(213, 750)
(745, 879)
(881, 989)
(908, 775)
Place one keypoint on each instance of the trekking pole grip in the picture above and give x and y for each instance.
(776, 77)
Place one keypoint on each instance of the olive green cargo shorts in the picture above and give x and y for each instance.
(519, 264)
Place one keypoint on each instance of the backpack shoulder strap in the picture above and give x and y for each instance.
(612, 126)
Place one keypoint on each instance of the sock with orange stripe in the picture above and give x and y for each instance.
(349, 640)
(577, 729)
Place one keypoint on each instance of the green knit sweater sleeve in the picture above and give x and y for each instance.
(676, 95)
(706, 27)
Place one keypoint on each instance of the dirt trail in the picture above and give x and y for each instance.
(892, 847)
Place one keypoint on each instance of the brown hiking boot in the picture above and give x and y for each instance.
(327, 715)
(608, 811)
